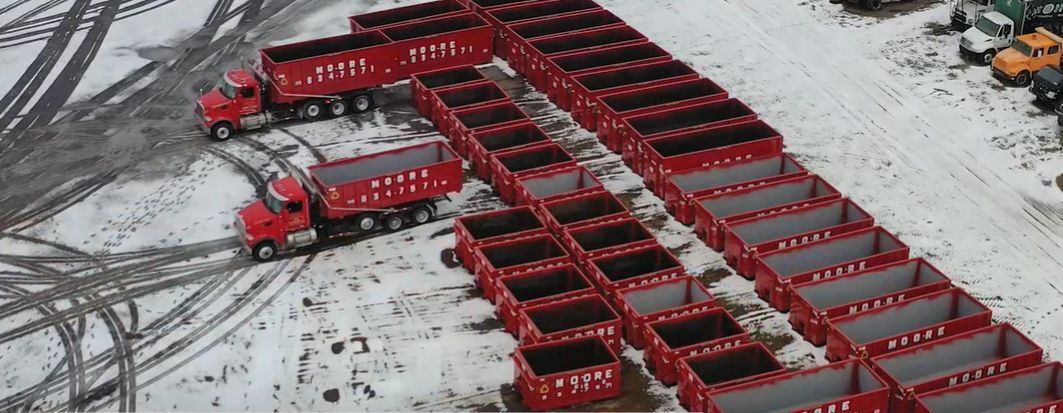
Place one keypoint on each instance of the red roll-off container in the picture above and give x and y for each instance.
(471, 231)
(492, 141)
(502, 17)
(422, 83)
(515, 256)
(670, 339)
(554, 74)
(848, 386)
(573, 317)
(683, 187)
(509, 166)
(481, 6)
(519, 34)
(813, 303)
(1037, 389)
(542, 49)
(562, 183)
(585, 88)
(886, 329)
(777, 272)
(562, 373)
(400, 15)
(580, 210)
(692, 130)
(532, 288)
(612, 108)
(449, 99)
(441, 42)
(592, 241)
(463, 123)
(661, 300)
(630, 268)
(700, 374)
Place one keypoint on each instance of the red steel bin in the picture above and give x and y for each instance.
(929, 318)
(399, 15)
(592, 241)
(744, 239)
(463, 123)
(681, 188)
(502, 17)
(813, 303)
(547, 186)
(492, 141)
(563, 373)
(509, 166)
(471, 231)
(481, 6)
(848, 386)
(711, 212)
(670, 339)
(462, 97)
(554, 74)
(636, 267)
(585, 88)
(515, 256)
(519, 34)
(968, 357)
(700, 374)
(637, 131)
(614, 107)
(573, 317)
(422, 83)
(780, 270)
(661, 300)
(580, 210)
(1035, 389)
(463, 39)
(532, 288)
(539, 51)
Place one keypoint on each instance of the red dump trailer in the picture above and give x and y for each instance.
(573, 317)
(682, 188)
(554, 75)
(577, 211)
(700, 374)
(777, 272)
(688, 123)
(421, 84)
(889, 328)
(527, 289)
(592, 241)
(744, 239)
(661, 300)
(463, 123)
(964, 358)
(612, 108)
(509, 166)
(401, 15)
(515, 256)
(813, 303)
(585, 88)
(563, 373)
(1037, 389)
(539, 51)
(488, 142)
(471, 231)
(848, 386)
(463, 97)
(630, 268)
(519, 34)
(711, 212)
(386, 190)
(556, 184)
(502, 17)
(670, 339)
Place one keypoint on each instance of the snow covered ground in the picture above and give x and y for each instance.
(135, 297)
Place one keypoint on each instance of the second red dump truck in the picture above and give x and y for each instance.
(388, 190)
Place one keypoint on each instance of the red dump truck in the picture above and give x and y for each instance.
(331, 76)
(389, 189)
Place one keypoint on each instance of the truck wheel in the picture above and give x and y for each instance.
(362, 103)
(873, 5)
(312, 110)
(422, 214)
(1023, 78)
(264, 251)
(393, 222)
(221, 131)
(337, 108)
(366, 222)
(987, 57)
(1059, 120)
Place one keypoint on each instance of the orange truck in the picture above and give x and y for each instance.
(1028, 54)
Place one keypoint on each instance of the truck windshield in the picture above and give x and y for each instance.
(227, 89)
(987, 26)
(273, 203)
(1023, 48)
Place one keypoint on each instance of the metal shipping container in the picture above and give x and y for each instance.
(536, 287)
(661, 300)
(539, 51)
(461, 97)
(700, 374)
(592, 241)
(562, 183)
(815, 302)
(670, 339)
(499, 259)
(901, 325)
(471, 231)
(481, 6)
(463, 123)
(630, 268)
(577, 211)
(637, 131)
(848, 386)
(1037, 389)
(504, 16)
(507, 167)
(400, 15)
(557, 374)
(442, 42)
(554, 75)
(585, 88)
(612, 108)
(487, 142)
(682, 187)
(423, 82)
(519, 34)
(573, 317)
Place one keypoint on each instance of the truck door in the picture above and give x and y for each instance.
(247, 99)
(1052, 58)
(1004, 38)
(296, 217)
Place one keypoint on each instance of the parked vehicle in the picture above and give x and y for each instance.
(471, 231)
(700, 374)
(334, 75)
(995, 30)
(658, 301)
(580, 210)
(1031, 390)
(388, 190)
(555, 184)
(493, 261)
(613, 108)
(1027, 55)
(848, 386)
(569, 318)
(1047, 86)
(545, 285)
(670, 339)
(966, 12)
(562, 373)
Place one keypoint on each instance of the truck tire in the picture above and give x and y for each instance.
(366, 222)
(221, 131)
(422, 214)
(1059, 120)
(393, 222)
(873, 5)
(338, 107)
(988, 55)
(312, 110)
(264, 251)
(1023, 78)
(362, 102)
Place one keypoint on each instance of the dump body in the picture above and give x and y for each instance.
(577, 211)
(509, 166)
(502, 17)
(539, 51)
(700, 374)
(557, 374)
(630, 268)
(681, 188)
(637, 131)
(585, 88)
(442, 42)
(555, 74)
(422, 83)
(519, 34)
(482, 6)
(573, 317)
(462, 97)
(848, 386)
(385, 180)
(972, 356)
(515, 256)
(401, 15)
(711, 212)
(612, 108)
(658, 301)
(492, 141)
(532, 288)
(463, 123)
(606, 238)
(670, 339)
(471, 231)
(900, 325)
(777, 272)
(1037, 389)
(744, 239)
(562, 183)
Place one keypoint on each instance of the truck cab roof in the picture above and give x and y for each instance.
(997, 17)
(239, 78)
(1036, 40)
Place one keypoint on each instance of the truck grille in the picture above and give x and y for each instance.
(199, 110)
(966, 43)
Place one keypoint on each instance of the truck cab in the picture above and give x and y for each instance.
(278, 222)
(1027, 55)
(1047, 86)
(966, 12)
(991, 33)
(234, 105)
